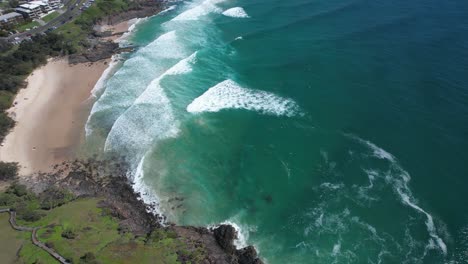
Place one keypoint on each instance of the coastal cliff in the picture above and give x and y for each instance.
(106, 180)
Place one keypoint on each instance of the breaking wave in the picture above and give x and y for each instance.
(203, 9)
(237, 12)
(150, 117)
(230, 95)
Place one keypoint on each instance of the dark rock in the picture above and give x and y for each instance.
(248, 255)
(102, 50)
(225, 235)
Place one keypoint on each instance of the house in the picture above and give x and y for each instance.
(10, 19)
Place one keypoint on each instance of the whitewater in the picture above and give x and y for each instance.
(281, 121)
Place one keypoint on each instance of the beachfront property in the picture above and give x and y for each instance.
(10, 19)
(55, 4)
(29, 10)
(35, 9)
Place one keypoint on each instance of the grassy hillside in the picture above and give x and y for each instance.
(81, 231)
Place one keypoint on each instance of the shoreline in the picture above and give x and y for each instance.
(50, 114)
(52, 110)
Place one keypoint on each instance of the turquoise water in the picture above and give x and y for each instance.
(325, 131)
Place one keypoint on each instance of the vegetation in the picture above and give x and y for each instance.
(50, 16)
(27, 26)
(83, 232)
(15, 66)
(8, 170)
(76, 32)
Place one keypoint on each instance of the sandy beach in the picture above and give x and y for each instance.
(50, 114)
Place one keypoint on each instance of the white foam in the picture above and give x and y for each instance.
(170, 8)
(123, 40)
(237, 12)
(203, 9)
(332, 186)
(100, 84)
(242, 234)
(230, 95)
(148, 196)
(149, 118)
(400, 180)
(182, 67)
(239, 38)
(336, 249)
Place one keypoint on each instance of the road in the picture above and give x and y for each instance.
(72, 10)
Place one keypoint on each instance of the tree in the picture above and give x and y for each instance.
(13, 3)
(8, 170)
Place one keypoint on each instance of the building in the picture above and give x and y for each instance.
(44, 5)
(10, 19)
(36, 9)
(30, 10)
(55, 4)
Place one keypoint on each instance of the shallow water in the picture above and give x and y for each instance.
(326, 131)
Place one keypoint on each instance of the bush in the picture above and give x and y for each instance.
(30, 215)
(8, 170)
(18, 190)
(53, 197)
(68, 234)
(88, 258)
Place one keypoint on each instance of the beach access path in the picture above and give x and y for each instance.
(34, 239)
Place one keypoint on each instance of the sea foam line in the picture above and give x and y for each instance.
(401, 186)
(147, 195)
(230, 95)
(150, 117)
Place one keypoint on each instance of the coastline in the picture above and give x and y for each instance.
(50, 114)
(51, 111)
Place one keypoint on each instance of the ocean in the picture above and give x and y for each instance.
(324, 131)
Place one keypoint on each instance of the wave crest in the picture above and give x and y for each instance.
(237, 12)
(230, 95)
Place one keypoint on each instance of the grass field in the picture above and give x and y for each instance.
(81, 228)
(10, 240)
(50, 16)
(29, 25)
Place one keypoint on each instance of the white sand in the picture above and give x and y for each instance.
(50, 114)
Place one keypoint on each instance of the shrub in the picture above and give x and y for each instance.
(68, 234)
(8, 170)
(53, 197)
(88, 258)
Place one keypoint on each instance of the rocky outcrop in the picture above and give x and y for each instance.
(225, 236)
(107, 179)
(102, 50)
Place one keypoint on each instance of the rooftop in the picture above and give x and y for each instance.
(29, 6)
(9, 15)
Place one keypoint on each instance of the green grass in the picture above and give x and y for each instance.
(29, 25)
(93, 229)
(88, 229)
(75, 32)
(50, 16)
(10, 240)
